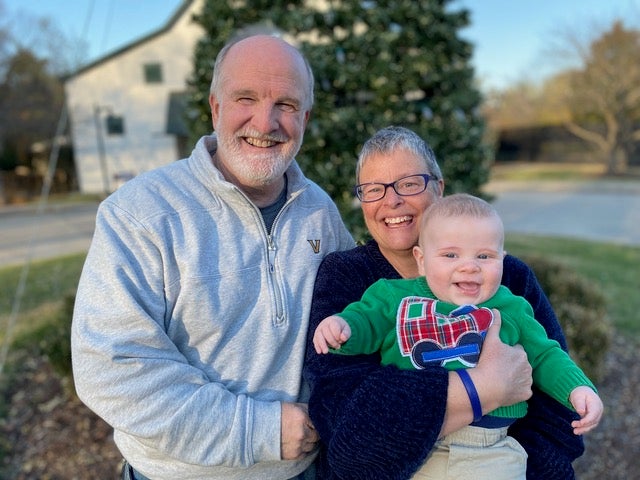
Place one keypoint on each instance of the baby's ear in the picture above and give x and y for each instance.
(418, 257)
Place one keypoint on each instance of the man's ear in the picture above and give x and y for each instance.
(215, 109)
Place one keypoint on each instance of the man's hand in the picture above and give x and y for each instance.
(298, 435)
(503, 374)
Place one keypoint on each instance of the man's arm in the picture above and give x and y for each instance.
(129, 371)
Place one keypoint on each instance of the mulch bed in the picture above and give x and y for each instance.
(46, 433)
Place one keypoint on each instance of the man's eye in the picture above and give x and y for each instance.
(287, 107)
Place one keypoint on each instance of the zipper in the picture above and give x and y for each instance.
(277, 291)
(271, 250)
(271, 256)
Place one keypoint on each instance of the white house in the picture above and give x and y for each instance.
(122, 106)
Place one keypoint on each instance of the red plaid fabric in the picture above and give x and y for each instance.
(418, 320)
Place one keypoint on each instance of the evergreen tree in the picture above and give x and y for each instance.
(30, 103)
(376, 63)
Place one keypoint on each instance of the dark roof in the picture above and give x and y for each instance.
(172, 21)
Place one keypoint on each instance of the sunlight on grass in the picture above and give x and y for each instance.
(613, 268)
(546, 171)
(48, 283)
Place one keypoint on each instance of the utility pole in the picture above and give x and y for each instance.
(102, 156)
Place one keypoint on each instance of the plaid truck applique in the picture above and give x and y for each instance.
(427, 336)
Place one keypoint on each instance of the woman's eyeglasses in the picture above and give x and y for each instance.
(405, 186)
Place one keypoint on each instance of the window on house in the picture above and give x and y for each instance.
(153, 73)
(115, 125)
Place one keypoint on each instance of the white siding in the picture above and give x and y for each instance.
(117, 86)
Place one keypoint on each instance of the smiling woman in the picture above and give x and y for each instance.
(371, 391)
(394, 217)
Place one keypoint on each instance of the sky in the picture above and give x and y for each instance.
(512, 38)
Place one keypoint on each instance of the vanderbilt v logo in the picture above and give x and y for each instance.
(315, 245)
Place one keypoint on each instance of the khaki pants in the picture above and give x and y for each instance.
(475, 453)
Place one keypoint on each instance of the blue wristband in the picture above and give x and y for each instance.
(476, 406)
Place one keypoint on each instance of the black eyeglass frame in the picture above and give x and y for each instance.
(357, 190)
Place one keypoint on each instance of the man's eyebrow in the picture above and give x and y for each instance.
(245, 92)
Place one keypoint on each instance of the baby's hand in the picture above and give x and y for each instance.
(332, 332)
(589, 406)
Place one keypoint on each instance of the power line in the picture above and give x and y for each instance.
(107, 27)
(42, 204)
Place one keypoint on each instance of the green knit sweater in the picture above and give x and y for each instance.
(374, 322)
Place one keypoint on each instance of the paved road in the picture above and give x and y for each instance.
(26, 234)
(600, 211)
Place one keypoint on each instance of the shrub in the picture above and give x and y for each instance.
(581, 310)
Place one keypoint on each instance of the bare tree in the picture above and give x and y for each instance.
(34, 54)
(5, 39)
(21, 30)
(603, 98)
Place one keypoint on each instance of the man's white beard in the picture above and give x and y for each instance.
(258, 168)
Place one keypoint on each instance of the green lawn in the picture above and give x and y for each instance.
(613, 268)
(47, 285)
(517, 171)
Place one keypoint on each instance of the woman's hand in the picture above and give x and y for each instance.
(502, 377)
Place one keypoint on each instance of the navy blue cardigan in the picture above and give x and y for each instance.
(380, 422)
